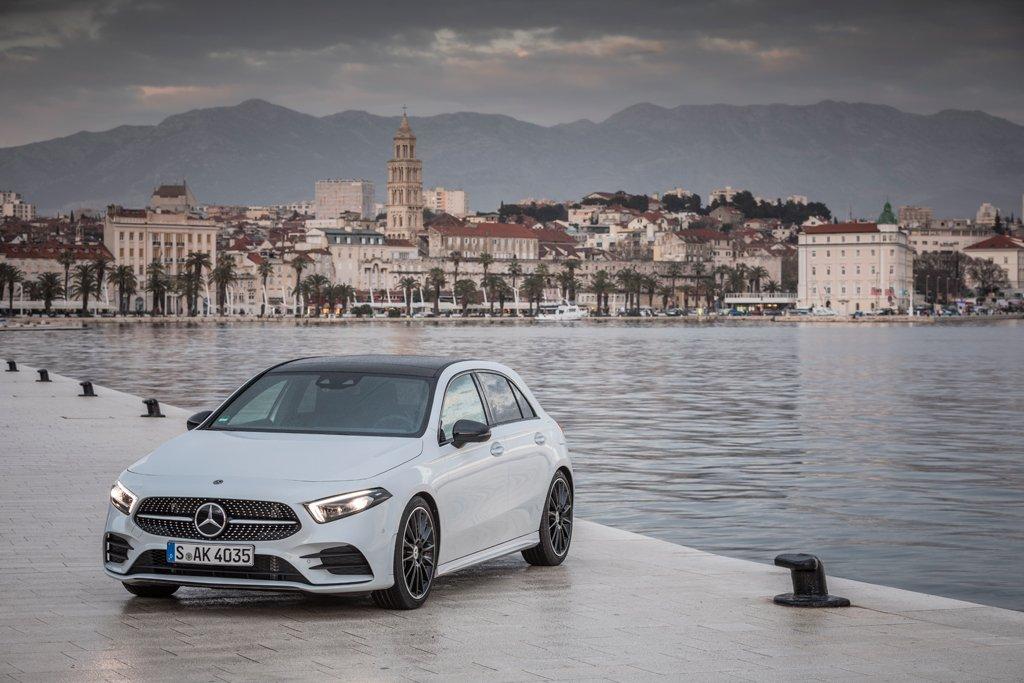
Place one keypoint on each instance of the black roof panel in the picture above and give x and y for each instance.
(419, 366)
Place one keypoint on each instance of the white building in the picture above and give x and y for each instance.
(853, 267)
(443, 200)
(723, 194)
(798, 199)
(335, 196)
(986, 215)
(12, 205)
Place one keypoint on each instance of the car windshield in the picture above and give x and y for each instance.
(330, 403)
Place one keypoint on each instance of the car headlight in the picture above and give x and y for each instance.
(336, 507)
(122, 498)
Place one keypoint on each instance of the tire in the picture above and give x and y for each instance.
(415, 561)
(151, 590)
(556, 524)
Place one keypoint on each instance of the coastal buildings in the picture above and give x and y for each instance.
(404, 186)
(1004, 251)
(444, 200)
(500, 240)
(12, 205)
(334, 197)
(853, 267)
(166, 232)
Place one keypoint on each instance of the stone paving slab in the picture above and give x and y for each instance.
(623, 607)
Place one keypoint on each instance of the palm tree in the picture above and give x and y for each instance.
(436, 281)
(84, 284)
(315, 283)
(515, 271)
(222, 277)
(408, 283)
(265, 270)
(299, 264)
(665, 292)
(345, 293)
(456, 258)
(601, 285)
(565, 283)
(13, 276)
(195, 263)
(501, 291)
(123, 278)
(5, 268)
(627, 279)
(650, 283)
(485, 260)
(756, 274)
(688, 291)
(66, 259)
(49, 288)
(157, 284)
(674, 272)
(464, 289)
(102, 263)
(571, 265)
(491, 283)
(534, 285)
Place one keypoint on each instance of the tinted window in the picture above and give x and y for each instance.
(503, 404)
(330, 402)
(524, 405)
(461, 402)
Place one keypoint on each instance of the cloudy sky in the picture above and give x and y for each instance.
(67, 66)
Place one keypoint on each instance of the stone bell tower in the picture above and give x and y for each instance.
(405, 186)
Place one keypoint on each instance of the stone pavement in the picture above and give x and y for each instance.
(623, 606)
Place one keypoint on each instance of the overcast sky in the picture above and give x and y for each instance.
(91, 65)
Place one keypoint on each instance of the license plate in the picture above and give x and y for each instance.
(209, 553)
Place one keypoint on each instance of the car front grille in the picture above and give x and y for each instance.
(248, 520)
(265, 568)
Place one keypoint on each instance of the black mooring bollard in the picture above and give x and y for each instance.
(44, 376)
(809, 589)
(12, 366)
(152, 408)
(87, 389)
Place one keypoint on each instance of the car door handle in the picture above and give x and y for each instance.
(497, 449)
(539, 439)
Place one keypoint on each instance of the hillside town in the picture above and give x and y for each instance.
(424, 253)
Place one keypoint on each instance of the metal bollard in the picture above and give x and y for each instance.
(152, 408)
(809, 588)
(87, 389)
(44, 376)
(12, 366)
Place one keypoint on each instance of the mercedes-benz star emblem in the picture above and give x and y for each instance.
(210, 520)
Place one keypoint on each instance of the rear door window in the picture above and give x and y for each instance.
(524, 405)
(500, 398)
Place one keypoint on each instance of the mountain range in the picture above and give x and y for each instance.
(852, 156)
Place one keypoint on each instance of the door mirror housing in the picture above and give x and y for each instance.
(469, 431)
(197, 419)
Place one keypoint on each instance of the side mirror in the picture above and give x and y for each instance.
(469, 431)
(197, 419)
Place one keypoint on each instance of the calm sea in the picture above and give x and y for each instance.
(896, 453)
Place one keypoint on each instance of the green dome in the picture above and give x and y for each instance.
(887, 217)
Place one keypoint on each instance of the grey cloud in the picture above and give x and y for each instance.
(95, 64)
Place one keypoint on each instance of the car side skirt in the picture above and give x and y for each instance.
(494, 552)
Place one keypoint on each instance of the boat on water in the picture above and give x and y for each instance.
(563, 312)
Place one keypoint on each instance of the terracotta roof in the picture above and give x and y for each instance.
(51, 250)
(254, 257)
(553, 236)
(702, 235)
(652, 216)
(998, 242)
(169, 191)
(487, 230)
(840, 228)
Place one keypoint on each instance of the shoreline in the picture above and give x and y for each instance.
(26, 323)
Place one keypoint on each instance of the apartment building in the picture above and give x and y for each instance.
(334, 197)
(443, 200)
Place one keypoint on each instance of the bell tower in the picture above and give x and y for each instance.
(405, 186)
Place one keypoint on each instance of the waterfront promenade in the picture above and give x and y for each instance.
(623, 607)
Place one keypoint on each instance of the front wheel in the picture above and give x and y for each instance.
(151, 590)
(415, 559)
(555, 525)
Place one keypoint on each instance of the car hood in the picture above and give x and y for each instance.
(297, 457)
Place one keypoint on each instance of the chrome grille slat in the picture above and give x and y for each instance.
(248, 520)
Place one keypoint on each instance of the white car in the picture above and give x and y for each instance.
(347, 474)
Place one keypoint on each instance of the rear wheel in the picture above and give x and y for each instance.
(151, 590)
(415, 559)
(555, 525)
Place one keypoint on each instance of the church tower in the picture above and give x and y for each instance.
(405, 186)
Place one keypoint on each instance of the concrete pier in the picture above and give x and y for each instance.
(623, 606)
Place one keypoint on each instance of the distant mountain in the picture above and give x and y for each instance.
(847, 155)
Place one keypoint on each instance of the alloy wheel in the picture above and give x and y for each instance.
(560, 516)
(418, 552)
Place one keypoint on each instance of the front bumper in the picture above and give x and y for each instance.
(295, 563)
